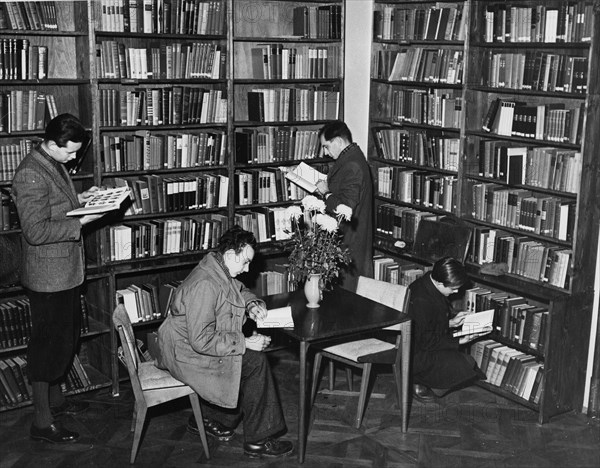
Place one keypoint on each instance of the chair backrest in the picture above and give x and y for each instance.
(122, 323)
(391, 295)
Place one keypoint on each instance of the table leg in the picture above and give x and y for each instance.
(302, 403)
(406, 331)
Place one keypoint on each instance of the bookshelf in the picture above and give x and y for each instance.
(523, 141)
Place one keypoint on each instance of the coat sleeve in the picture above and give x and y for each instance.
(345, 187)
(32, 199)
(428, 330)
(209, 321)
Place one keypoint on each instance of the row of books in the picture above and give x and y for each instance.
(400, 222)
(391, 271)
(176, 105)
(419, 64)
(417, 147)
(165, 61)
(544, 167)
(11, 155)
(521, 209)
(276, 62)
(15, 387)
(15, 321)
(21, 61)
(30, 16)
(551, 122)
(522, 256)
(165, 236)
(315, 22)
(439, 22)
(163, 16)
(441, 108)
(564, 22)
(9, 220)
(147, 150)
(509, 369)
(274, 281)
(26, 110)
(294, 104)
(538, 71)
(266, 223)
(418, 187)
(275, 144)
(143, 302)
(160, 194)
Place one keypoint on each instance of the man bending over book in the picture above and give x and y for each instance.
(52, 269)
(348, 193)
(202, 344)
(438, 365)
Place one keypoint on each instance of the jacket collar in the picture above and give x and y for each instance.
(64, 184)
(229, 286)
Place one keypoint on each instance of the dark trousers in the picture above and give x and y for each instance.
(55, 330)
(258, 403)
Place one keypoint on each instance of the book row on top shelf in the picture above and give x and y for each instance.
(38, 16)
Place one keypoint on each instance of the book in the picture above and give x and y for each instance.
(277, 318)
(478, 322)
(102, 202)
(304, 176)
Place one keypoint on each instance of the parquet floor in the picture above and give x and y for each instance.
(470, 428)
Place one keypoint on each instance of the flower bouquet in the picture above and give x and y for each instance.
(317, 242)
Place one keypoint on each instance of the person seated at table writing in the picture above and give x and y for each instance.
(202, 344)
(438, 365)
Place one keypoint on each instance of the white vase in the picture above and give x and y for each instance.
(312, 290)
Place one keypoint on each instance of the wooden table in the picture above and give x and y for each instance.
(342, 313)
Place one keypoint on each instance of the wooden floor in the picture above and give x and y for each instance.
(470, 428)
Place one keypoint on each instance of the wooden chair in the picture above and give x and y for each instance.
(364, 353)
(151, 385)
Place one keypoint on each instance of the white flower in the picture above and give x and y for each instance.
(326, 222)
(293, 212)
(343, 212)
(312, 203)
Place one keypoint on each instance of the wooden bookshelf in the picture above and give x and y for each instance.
(543, 73)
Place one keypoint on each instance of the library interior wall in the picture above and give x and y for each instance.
(359, 18)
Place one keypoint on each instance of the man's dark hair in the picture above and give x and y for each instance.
(450, 272)
(236, 238)
(64, 128)
(335, 129)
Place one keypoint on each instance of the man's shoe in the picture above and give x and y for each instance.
(423, 393)
(53, 433)
(69, 407)
(269, 448)
(212, 428)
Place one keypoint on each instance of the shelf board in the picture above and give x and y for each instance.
(251, 123)
(291, 162)
(520, 232)
(523, 186)
(531, 45)
(177, 170)
(151, 263)
(287, 81)
(527, 141)
(411, 165)
(172, 81)
(299, 39)
(420, 84)
(415, 206)
(181, 128)
(508, 395)
(155, 36)
(528, 92)
(46, 82)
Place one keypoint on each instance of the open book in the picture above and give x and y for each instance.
(478, 322)
(305, 176)
(103, 201)
(277, 318)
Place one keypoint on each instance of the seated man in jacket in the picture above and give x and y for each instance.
(202, 344)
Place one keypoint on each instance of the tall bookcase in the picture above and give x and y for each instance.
(516, 164)
(165, 88)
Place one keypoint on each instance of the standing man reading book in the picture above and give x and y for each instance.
(349, 188)
(202, 344)
(52, 270)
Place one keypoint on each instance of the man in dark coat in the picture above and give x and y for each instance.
(438, 363)
(349, 188)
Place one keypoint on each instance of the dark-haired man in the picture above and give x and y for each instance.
(52, 269)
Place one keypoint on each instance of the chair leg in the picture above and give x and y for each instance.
(315, 378)
(398, 379)
(349, 379)
(134, 417)
(362, 398)
(198, 415)
(140, 417)
(331, 376)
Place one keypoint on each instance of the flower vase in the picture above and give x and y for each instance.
(312, 290)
